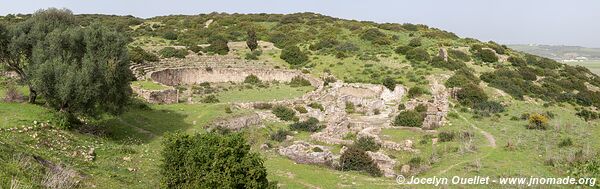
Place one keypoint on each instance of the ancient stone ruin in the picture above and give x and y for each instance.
(166, 96)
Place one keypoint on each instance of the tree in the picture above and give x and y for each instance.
(251, 41)
(367, 143)
(18, 41)
(82, 70)
(139, 55)
(211, 160)
(293, 55)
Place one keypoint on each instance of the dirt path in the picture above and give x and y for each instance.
(489, 137)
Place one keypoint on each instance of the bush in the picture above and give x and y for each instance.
(301, 109)
(588, 115)
(218, 45)
(170, 35)
(402, 49)
(316, 105)
(487, 55)
(486, 108)
(462, 78)
(537, 121)
(389, 83)
(446, 136)
(195, 48)
(206, 161)
(565, 142)
(310, 125)
(415, 42)
(253, 55)
(299, 81)
(293, 55)
(417, 54)
(210, 99)
(262, 106)
(409, 118)
(139, 55)
(228, 110)
(375, 36)
(170, 52)
(459, 55)
(252, 79)
(280, 135)
(415, 162)
(350, 107)
(471, 95)
(516, 61)
(416, 91)
(421, 108)
(367, 144)
(284, 113)
(358, 160)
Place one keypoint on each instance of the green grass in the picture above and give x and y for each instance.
(271, 93)
(148, 85)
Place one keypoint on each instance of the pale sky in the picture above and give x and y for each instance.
(554, 22)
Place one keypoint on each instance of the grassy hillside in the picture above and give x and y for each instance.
(500, 88)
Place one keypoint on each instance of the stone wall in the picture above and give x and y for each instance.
(187, 76)
(167, 96)
(238, 122)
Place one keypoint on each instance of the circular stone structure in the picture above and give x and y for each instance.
(189, 76)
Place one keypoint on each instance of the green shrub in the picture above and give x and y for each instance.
(416, 91)
(280, 135)
(462, 78)
(409, 118)
(228, 110)
(253, 55)
(252, 79)
(565, 142)
(375, 36)
(367, 144)
(487, 55)
(417, 54)
(402, 49)
(355, 159)
(421, 108)
(317, 149)
(471, 95)
(316, 105)
(170, 35)
(310, 125)
(139, 55)
(415, 42)
(206, 161)
(170, 52)
(517, 61)
(293, 55)
(415, 162)
(350, 107)
(486, 108)
(389, 83)
(446, 136)
(195, 48)
(284, 113)
(210, 99)
(218, 45)
(459, 55)
(299, 81)
(301, 109)
(588, 115)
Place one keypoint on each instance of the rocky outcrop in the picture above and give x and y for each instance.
(238, 122)
(384, 163)
(166, 96)
(194, 75)
(443, 54)
(305, 153)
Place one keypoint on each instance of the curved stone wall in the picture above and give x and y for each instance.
(186, 76)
